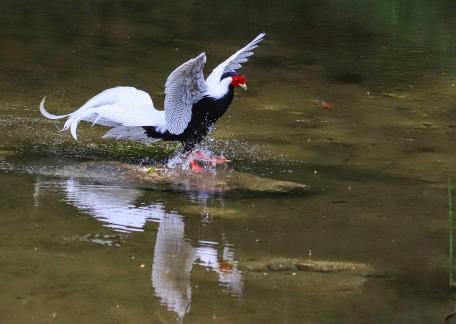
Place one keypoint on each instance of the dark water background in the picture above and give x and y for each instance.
(81, 248)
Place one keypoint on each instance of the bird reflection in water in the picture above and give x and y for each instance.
(174, 254)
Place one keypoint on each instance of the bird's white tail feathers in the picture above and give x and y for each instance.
(115, 107)
(135, 133)
(85, 113)
(48, 115)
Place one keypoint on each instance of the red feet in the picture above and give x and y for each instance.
(195, 166)
(197, 160)
(214, 160)
(220, 160)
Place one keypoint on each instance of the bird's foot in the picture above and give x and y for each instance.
(220, 159)
(195, 166)
(214, 159)
(197, 160)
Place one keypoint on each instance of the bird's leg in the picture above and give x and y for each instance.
(191, 158)
(200, 155)
(195, 166)
(197, 159)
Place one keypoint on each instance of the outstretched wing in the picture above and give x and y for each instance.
(184, 86)
(234, 61)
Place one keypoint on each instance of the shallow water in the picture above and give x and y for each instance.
(91, 244)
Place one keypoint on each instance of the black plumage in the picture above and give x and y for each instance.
(205, 113)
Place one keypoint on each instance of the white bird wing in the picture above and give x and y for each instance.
(184, 86)
(234, 61)
(120, 106)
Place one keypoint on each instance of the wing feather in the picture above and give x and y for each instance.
(235, 61)
(184, 86)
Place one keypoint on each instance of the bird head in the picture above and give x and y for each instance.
(237, 80)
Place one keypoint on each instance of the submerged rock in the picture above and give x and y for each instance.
(285, 264)
(221, 181)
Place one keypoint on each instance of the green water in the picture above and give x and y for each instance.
(90, 246)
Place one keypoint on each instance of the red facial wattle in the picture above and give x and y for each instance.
(237, 80)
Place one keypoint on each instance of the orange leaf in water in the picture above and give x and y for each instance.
(326, 105)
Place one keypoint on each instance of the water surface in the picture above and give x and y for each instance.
(93, 247)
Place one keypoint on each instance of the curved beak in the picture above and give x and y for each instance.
(243, 86)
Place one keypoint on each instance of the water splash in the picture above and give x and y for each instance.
(199, 160)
